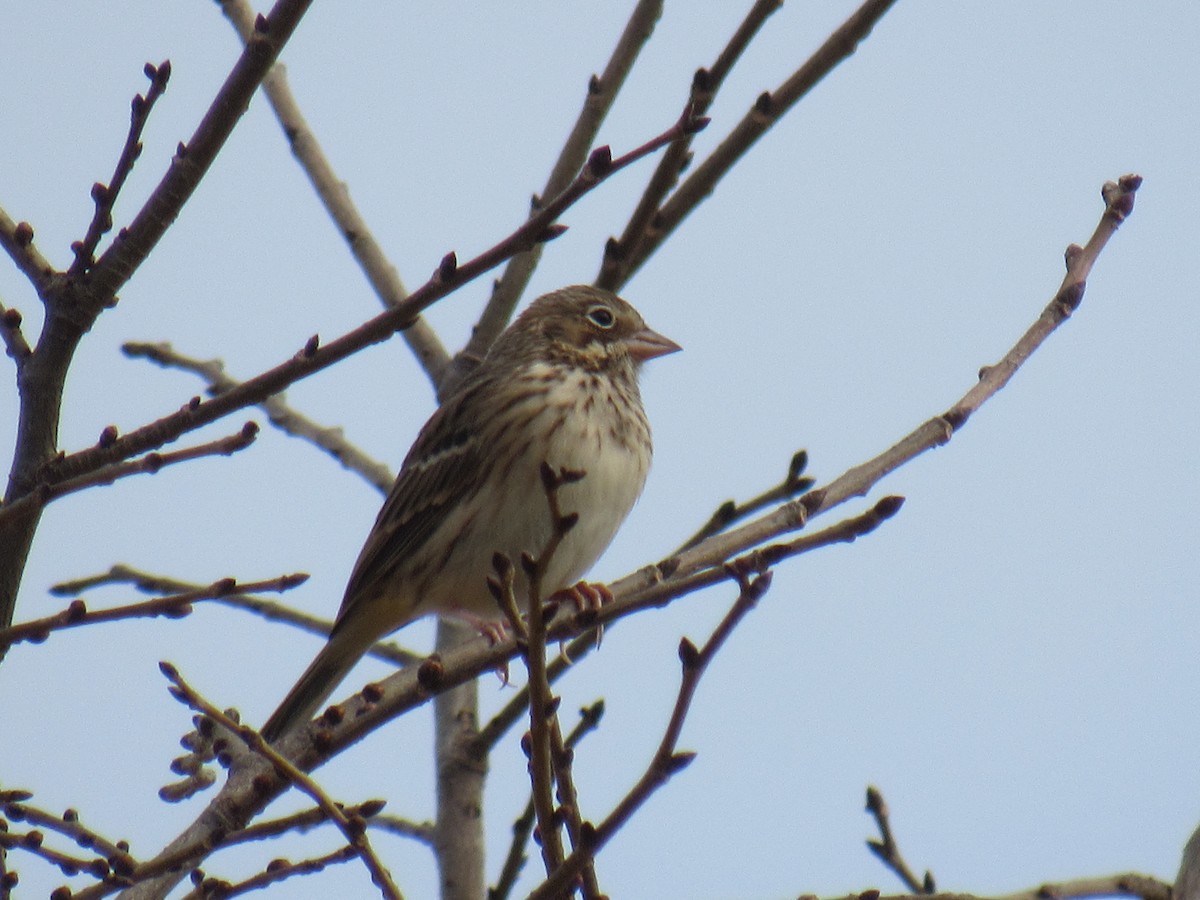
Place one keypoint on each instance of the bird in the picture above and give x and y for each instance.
(559, 387)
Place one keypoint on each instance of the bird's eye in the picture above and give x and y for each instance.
(602, 316)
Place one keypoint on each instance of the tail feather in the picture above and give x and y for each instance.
(319, 680)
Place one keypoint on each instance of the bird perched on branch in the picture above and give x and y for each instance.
(558, 387)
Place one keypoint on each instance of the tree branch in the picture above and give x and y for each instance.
(149, 464)
(614, 270)
(768, 109)
(335, 196)
(888, 851)
(174, 606)
(601, 94)
(279, 413)
(353, 828)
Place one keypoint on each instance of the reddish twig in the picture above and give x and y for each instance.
(104, 196)
(614, 271)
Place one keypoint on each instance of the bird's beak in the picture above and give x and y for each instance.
(647, 344)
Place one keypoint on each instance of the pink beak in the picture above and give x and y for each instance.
(647, 344)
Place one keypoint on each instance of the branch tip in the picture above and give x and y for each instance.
(677, 762)
(689, 654)
(447, 267)
(599, 162)
(889, 506)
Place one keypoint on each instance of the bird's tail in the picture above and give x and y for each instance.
(324, 674)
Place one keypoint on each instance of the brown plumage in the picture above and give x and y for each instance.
(558, 386)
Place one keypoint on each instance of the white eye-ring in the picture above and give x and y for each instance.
(602, 316)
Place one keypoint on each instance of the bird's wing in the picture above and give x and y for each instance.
(439, 472)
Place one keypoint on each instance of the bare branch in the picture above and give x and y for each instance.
(888, 850)
(768, 109)
(514, 860)
(353, 828)
(335, 196)
(856, 482)
(730, 512)
(73, 303)
(614, 270)
(272, 611)
(104, 196)
(174, 606)
(601, 93)
(666, 761)
(149, 464)
(192, 160)
(279, 413)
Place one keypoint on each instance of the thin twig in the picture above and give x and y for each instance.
(388, 651)
(150, 464)
(278, 870)
(514, 860)
(32, 842)
(114, 854)
(614, 271)
(602, 92)
(888, 850)
(303, 821)
(279, 412)
(104, 196)
(667, 761)
(174, 606)
(335, 196)
(730, 512)
(353, 828)
(768, 109)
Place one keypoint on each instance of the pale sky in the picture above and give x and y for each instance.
(1012, 659)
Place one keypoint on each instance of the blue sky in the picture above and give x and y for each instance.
(1012, 659)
